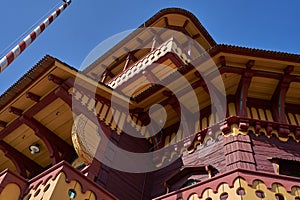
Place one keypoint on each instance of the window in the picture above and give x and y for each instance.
(286, 167)
(289, 167)
(190, 182)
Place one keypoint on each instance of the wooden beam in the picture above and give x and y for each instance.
(104, 76)
(53, 142)
(116, 59)
(15, 110)
(55, 79)
(150, 77)
(10, 128)
(166, 21)
(29, 113)
(222, 60)
(128, 59)
(139, 40)
(242, 90)
(278, 98)
(185, 23)
(200, 82)
(22, 163)
(157, 41)
(33, 97)
(196, 36)
(3, 124)
(139, 47)
(178, 28)
(62, 92)
(109, 73)
(182, 113)
(64, 95)
(175, 59)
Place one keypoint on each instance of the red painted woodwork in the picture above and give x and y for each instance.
(33, 97)
(8, 176)
(15, 111)
(278, 98)
(3, 124)
(53, 142)
(71, 174)
(21, 162)
(242, 91)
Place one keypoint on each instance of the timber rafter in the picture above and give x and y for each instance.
(169, 55)
(52, 141)
(22, 163)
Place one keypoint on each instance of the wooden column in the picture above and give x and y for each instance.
(242, 90)
(279, 95)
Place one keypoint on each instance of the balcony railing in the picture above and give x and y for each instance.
(240, 184)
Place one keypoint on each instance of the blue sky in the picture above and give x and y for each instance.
(270, 25)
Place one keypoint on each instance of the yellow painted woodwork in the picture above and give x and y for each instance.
(235, 131)
(261, 114)
(58, 189)
(86, 138)
(167, 140)
(298, 118)
(292, 119)
(231, 109)
(250, 191)
(269, 115)
(249, 113)
(204, 123)
(254, 113)
(10, 192)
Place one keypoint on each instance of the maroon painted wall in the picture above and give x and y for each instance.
(265, 148)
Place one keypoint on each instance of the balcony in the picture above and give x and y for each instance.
(240, 184)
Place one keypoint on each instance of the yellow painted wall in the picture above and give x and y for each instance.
(10, 192)
(58, 190)
(250, 192)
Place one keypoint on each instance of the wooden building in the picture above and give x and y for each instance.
(50, 121)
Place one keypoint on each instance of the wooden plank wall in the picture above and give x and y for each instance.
(123, 185)
(212, 153)
(265, 148)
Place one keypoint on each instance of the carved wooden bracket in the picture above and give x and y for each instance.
(279, 95)
(33, 97)
(15, 110)
(21, 162)
(243, 88)
(53, 142)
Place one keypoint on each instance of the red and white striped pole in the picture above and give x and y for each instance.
(17, 50)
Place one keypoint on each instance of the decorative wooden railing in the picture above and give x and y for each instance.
(240, 184)
(169, 46)
(64, 182)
